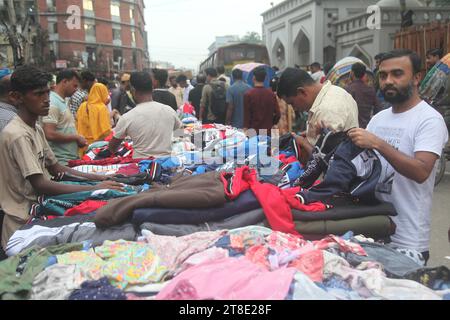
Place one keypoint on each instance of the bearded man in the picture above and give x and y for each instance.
(409, 138)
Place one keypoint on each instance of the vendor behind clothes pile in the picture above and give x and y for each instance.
(27, 161)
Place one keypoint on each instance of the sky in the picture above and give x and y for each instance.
(180, 31)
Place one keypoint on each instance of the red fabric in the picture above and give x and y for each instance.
(125, 151)
(294, 202)
(48, 218)
(235, 183)
(276, 208)
(188, 108)
(276, 203)
(86, 207)
(109, 138)
(258, 255)
(270, 197)
(287, 160)
(344, 246)
(129, 170)
(311, 264)
(208, 126)
(105, 162)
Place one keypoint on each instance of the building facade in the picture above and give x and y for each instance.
(300, 32)
(105, 36)
(221, 41)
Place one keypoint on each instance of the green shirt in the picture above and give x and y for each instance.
(65, 124)
(17, 273)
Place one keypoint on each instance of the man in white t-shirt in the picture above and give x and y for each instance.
(409, 137)
(150, 124)
(183, 83)
(316, 72)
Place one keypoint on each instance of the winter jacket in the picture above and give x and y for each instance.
(353, 171)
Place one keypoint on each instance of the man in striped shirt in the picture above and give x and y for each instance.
(7, 110)
(87, 81)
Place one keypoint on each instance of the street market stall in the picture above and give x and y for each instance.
(218, 213)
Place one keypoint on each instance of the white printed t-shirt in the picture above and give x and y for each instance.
(421, 129)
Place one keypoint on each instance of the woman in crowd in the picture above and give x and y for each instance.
(93, 118)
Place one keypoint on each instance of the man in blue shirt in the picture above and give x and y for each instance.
(235, 100)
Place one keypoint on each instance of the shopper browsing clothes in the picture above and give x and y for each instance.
(327, 106)
(409, 137)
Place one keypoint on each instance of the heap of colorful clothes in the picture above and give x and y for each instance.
(253, 263)
(219, 204)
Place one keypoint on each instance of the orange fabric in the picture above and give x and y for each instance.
(93, 118)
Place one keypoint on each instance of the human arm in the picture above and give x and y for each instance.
(247, 112)
(277, 111)
(120, 133)
(306, 149)
(230, 112)
(54, 136)
(203, 103)
(57, 169)
(114, 145)
(50, 123)
(43, 186)
(417, 169)
(230, 108)
(31, 168)
(177, 123)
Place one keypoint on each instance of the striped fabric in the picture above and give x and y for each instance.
(76, 100)
(7, 113)
(434, 87)
(340, 74)
(102, 170)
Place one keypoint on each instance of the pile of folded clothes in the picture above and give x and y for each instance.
(245, 205)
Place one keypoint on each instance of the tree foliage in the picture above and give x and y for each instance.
(252, 37)
(20, 28)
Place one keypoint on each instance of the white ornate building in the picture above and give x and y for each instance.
(299, 32)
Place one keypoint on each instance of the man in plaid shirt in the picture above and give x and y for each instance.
(87, 81)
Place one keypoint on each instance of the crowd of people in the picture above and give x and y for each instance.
(42, 128)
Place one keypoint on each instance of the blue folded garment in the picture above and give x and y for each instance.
(245, 203)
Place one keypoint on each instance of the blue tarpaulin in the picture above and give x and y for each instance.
(248, 69)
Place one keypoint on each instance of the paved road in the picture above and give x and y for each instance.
(440, 246)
